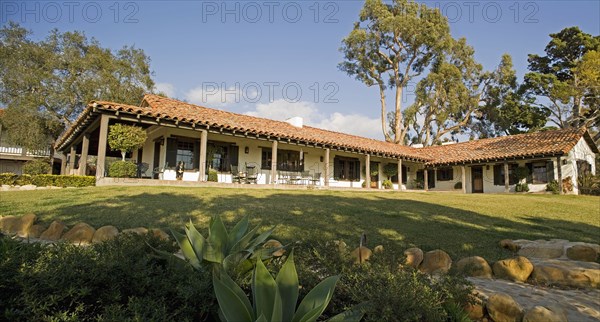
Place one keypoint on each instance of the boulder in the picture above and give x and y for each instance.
(275, 244)
(436, 262)
(474, 266)
(502, 308)
(138, 230)
(9, 224)
(54, 232)
(510, 245)
(543, 314)
(514, 269)
(542, 250)
(80, 234)
(582, 253)
(378, 249)
(567, 273)
(475, 310)
(28, 187)
(36, 231)
(25, 224)
(361, 254)
(414, 257)
(105, 233)
(159, 233)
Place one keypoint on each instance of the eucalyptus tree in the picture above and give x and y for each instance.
(391, 45)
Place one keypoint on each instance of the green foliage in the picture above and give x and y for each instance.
(589, 184)
(565, 81)
(522, 187)
(390, 170)
(374, 167)
(126, 138)
(552, 186)
(522, 173)
(36, 166)
(387, 184)
(24, 180)
(122, 169)
(418, 184)
(8, 178)
(234, 250)
(458, 185)
(213, 175)
(44, 180)
(275, 299)
(390, 46)
(396, 294)
(60, 75)
(117, 280)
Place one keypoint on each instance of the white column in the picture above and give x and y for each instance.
(464, 178)
(327, 169)
(102, 138)
(274, 162)
(202, 156)
(367, 171)
(399, 174)
(85, 146)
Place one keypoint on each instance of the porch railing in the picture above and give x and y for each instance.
(21, 151)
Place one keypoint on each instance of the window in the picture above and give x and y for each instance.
(499, 174)
(346, 169)
(583, 168)
(287, 160)
(404, 176)
(222, 155)
(445, 174)
(540, 172)
(185, 153)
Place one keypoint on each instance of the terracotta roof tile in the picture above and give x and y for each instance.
(515, 146)
(548, 143)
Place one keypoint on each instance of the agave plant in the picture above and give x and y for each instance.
(275, 299)
(236, 249)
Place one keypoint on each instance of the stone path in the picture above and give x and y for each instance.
(579, 305)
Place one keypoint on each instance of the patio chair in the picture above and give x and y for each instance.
(316, 178)
(305, 177)
(142, 167)
(251, 174)
(236, 175)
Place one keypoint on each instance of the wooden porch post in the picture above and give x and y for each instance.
(202, 156)
(506, 178)
(102, 139)
(368, 171)
(327, 167)
(85, 146)
(399, 174)
(274, 162)
(63, 164)
(464, 178)
(426, 179)
(72, 157)
(559, 173)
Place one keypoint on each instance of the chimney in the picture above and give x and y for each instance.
(296, 121)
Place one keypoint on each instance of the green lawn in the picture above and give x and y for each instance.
(460, 224)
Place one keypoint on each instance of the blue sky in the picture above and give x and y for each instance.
(256, 57)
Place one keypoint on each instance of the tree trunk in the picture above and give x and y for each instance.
(399, 137)
(383, 116)
(51, 157)
(123, 155)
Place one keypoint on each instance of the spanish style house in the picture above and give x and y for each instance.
(240, 147)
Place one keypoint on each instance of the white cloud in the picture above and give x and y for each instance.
(166, 88)
(355, 124)
(214, 96)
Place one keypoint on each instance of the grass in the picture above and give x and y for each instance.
(462, 225)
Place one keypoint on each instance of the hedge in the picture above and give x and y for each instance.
(43, 180)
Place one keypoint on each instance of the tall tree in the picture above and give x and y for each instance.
(390, 45)
(46, 84)
(558, 79)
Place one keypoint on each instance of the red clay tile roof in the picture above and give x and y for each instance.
(516, 146)
(546, 143)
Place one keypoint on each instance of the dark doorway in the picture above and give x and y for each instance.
(430, 178)
(477, 179)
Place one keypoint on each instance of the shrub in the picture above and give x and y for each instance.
(522, 173)
(589, 184)
(126, 138)
(458, 185)
(122, 169)
(44, 180)
(36, 166)
(552, 186)
(390, 170)
(387, 184)
(522, 187)
(213, 175)
(24, 180)
(8, 178)
(118, 280)
(394, 294)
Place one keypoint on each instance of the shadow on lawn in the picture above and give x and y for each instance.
(395, 223)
